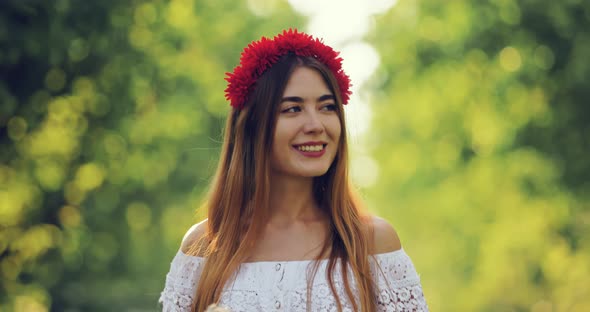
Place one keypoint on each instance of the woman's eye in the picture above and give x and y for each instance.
(292, 109)
(329, 107)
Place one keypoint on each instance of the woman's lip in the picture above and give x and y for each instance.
(311, 143)
(310, 153)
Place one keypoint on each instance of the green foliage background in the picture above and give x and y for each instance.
(111, 115)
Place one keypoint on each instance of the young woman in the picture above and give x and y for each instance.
(285, 230)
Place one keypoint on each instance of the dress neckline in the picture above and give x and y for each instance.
(394, 253)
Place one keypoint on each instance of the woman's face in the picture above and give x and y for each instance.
(308, 129)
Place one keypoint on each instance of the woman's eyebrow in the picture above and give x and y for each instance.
(298, 99)
(295, 99)
(325, 97)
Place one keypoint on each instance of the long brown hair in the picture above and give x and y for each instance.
(238, 202)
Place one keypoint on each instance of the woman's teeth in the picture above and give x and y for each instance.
(310, 148)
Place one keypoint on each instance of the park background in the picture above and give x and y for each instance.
(470, 132)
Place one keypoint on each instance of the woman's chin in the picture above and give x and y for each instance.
(315, 173)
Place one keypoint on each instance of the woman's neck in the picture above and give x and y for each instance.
(292, 200)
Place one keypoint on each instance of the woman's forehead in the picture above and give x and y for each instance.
(306, 81)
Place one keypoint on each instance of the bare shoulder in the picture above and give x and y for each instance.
(385, 236)
(193, 240)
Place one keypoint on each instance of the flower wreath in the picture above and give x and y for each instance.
(260, 55)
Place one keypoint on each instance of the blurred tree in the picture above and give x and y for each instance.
(482, 133)
(110, 119)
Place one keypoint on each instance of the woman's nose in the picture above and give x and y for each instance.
(313, 123)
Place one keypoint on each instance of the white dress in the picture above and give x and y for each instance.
(282, 285)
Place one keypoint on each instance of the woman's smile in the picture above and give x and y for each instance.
(311, 149)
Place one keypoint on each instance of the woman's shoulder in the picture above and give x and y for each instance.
(385, 238)
(194, 241)
(395, 268)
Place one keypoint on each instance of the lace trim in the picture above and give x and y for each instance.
(282, 285)
(181, 283)
(402, 299)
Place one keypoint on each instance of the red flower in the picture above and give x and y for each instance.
(260, 55)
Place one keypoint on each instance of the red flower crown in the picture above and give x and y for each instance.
(260, 55)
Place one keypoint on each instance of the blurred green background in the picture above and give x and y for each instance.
(111, 115)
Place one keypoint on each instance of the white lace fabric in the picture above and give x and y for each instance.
(282, 285)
